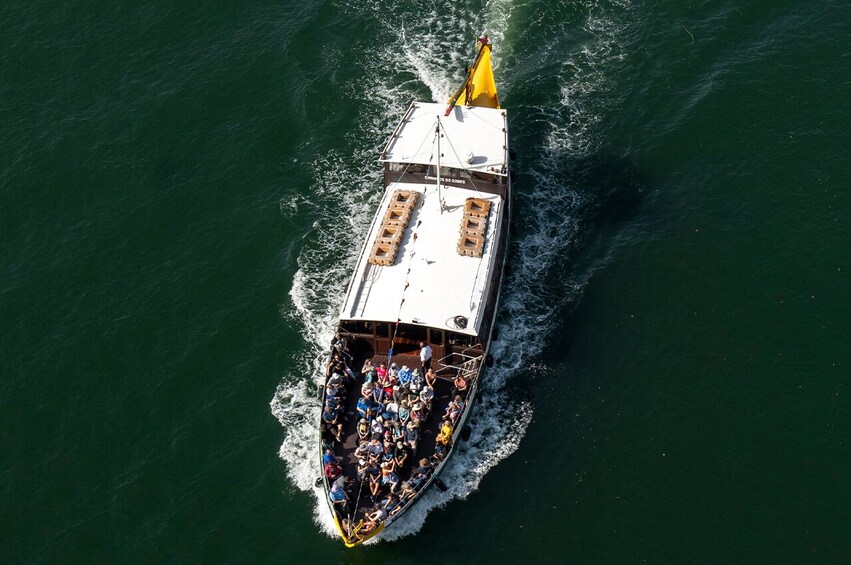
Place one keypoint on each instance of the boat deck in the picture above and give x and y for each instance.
(359, 494)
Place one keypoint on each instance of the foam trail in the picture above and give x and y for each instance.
(428, 49)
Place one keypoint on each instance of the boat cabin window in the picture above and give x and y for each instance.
(382, 329)
(356, 327)
(413, 332)
(462, 340)
(435, 337)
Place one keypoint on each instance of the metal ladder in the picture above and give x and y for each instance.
(469, 364)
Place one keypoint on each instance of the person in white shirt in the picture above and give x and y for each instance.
(425, 355)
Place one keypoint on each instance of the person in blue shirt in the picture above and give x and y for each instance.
(404, 375)
(365, 404)
(338, 496)
(329, 457)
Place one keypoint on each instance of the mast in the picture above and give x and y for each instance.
(437, 133)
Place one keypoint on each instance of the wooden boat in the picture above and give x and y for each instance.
(428, 278)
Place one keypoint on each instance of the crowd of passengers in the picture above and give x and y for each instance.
(394, 402)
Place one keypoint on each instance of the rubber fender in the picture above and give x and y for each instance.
(318, 482)
(495, 334)
(441, 485)
(489, 360)
(512, 154)
(465, 433)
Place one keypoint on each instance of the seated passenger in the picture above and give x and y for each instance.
(397, 432)
(412, 435)
(399, 393)
(391, 478)
(402, 454)
(363, 428)
(404, 376)
(375, 451)
(460, 385)
(443, 441)
(377, 425)
(378, 515)
(332, 470)
(373, 472)
(440, 450)
(340, 345)
(446, 429)
(430, 378)
(417, 378)
(362, 450)
(381, 371)
(407, 492)
(392, 504)
(367, 367)
(338, 496)
(418, 413)
(378, 393)
(330, 419)
(366, 389)
(426, 395)
(404, 412)
(455, 408)
(364, 406)
(390, 412)
(329, 457)
(363, 465)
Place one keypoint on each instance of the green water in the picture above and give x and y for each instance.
(183, 192)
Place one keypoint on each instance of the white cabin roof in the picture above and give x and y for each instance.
(429, 283)
(474, 130)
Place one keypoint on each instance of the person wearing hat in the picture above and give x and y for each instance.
(412, 435)
(417, 378)
(444, 439)
(363, 428)
(401, 455)
(418, 414)
(426, 395)
(363, 465)
(377, 425)
(362, 450)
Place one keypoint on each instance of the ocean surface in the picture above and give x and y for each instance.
(183, 190)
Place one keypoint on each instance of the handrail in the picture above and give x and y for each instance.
(467, 366)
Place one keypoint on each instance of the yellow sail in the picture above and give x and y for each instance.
(480, 89)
